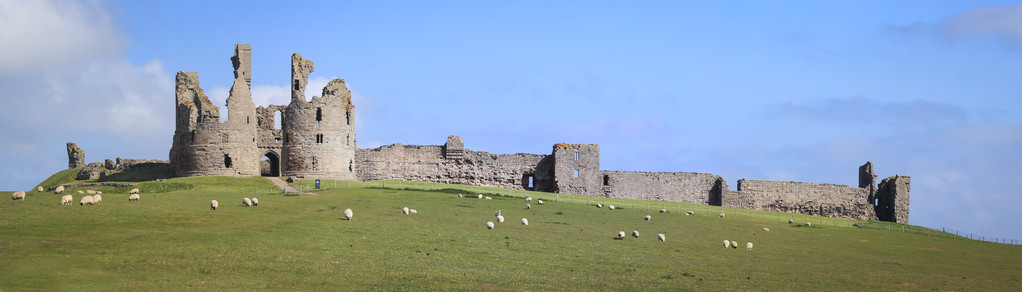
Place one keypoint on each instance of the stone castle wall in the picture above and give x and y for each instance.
(688, 187)
(804, 198)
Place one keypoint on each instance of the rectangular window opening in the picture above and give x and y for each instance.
(576, 155)
(319, 114)
(606, 180)
(576, 173)
(531, 185)
(347, 116)
(227, 161)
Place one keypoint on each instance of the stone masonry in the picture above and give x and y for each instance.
(75, 156)
(316, 139)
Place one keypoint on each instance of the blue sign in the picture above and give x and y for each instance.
(317, 184)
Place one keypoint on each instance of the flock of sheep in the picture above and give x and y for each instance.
(246, 202)
(93, 197)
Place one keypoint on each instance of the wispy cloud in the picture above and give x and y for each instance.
(999, 21)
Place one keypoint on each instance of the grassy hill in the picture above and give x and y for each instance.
(171, 240)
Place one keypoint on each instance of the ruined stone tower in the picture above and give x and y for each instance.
(577, 169)
(319, 135)
(202, 144)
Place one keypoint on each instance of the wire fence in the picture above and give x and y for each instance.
(650, 206)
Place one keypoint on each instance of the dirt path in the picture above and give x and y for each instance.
(283, 185)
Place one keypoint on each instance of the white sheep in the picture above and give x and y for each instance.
(461, 196)
(96, 199)
(727, 243)
(99, 193)
(663, 210)
(748, 246)
(348, 214)
(525, 222)
(540, 201)
(246, 202)
(497, 213)
(91, 192)
(67, 200)
(721, 215)
(18, 196)
(610, 207)
(413, 211)
(133, 197)
(635, 233)
(647, 217)
(690, 213)
(405, 210)
(661, 237)
(480, 196)
(809, 224)
(598, 205)
(766, 229)
(213, 204)
(488, 198)
(500, 219)
(734, 244)
(86, 200)
(80, 192)
(621, 235)
(39, 189)
(528, 199)
(791, 221)
(255, 202)
(59, 189)
(528, 206)
(133, 191)
(489, 225)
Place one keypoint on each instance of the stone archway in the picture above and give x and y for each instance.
(270, 164)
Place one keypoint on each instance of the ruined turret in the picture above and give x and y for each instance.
(318, 135)
(75, 156)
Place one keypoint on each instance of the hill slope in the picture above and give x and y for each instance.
(172, 241)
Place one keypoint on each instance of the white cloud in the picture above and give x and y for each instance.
(44, 35)
(1000, 21)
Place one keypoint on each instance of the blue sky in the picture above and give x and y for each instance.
(801, 91)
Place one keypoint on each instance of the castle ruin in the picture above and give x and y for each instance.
(316, 139)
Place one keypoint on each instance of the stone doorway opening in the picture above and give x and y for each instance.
(270, 165)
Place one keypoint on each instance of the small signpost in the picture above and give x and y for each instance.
(317, 184)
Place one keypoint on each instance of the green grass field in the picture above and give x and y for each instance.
(171, 240)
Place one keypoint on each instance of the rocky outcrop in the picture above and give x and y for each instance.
(75, 156)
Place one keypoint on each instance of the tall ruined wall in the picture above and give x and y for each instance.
(804, 198)
(429, 164)
(202, 144)
(577, 169)
(318, 135)
(75, 156)
(893, 198)
(688, 187)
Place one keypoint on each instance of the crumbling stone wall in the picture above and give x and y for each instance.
(75, 156)
(804, 198)
(577, 169)
(688, 187)
(893, 198)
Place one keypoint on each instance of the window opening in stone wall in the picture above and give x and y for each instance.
(319, 138)
(319, 114)
(296, 85)
(606, 180)
(576, 173)
(227, 161)
(278, 122)
(576, 155)
(193, 135)
(248, 119)
(531, 185)
(351, 165)
(347, 116)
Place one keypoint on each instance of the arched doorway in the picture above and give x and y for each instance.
(270, 164)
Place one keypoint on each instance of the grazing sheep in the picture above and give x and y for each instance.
(80, 192)
(497, 213)
(621, 235)
(86, 200)
(647, 217)
(488, 198)
(598, 205)
(133, 197)
(528, 199)
(255, 202)
(528, 206)
(59, 189)
(734, 244)
(213, 204)
(663, 210)
(610, 207)
(96, 199)
(525, 222)
(480, 196)
(500, 219)
(18, 196)
(39, 189)
(791, 221)
(461, 196)
(727, 243)
(748, 246)
(91, 192)
(809, 224)
(661, 237)
(246, 202)
(489, 225)
(766, 229)
(67, 200)
(348, 214)
(413, 211)
(635, 233)
(405, 210)
(540, 201)
(690, 213)
(133, 191)
(99, 193)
